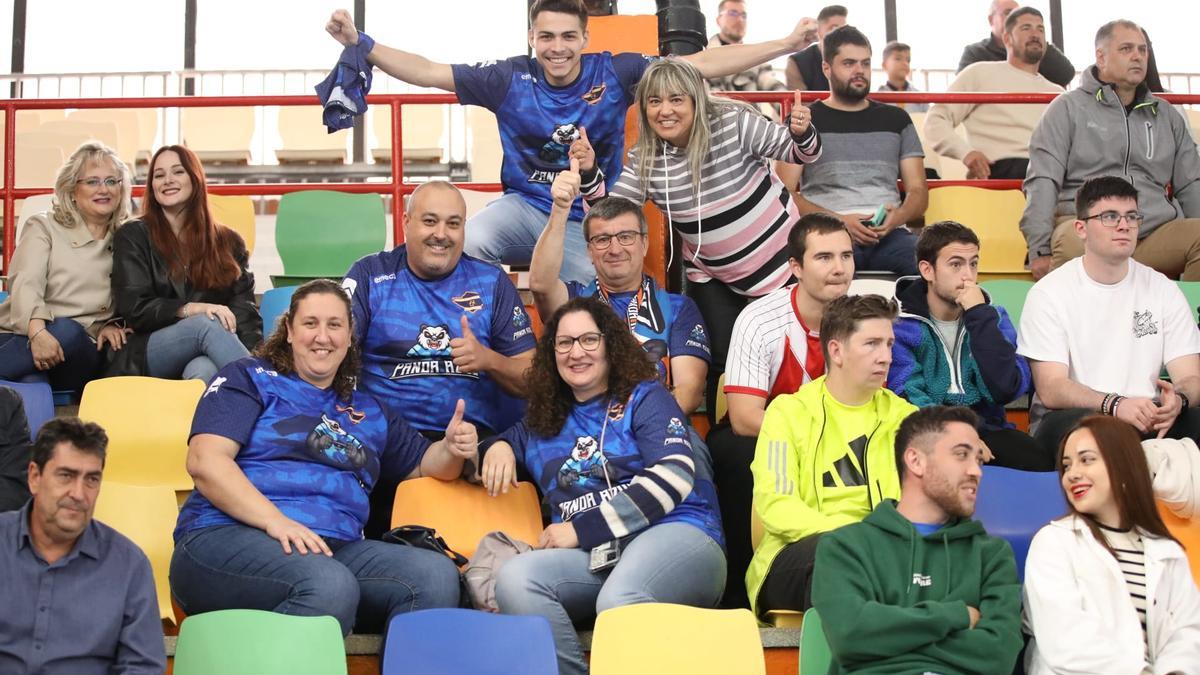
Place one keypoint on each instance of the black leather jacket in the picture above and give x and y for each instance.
(148, 300)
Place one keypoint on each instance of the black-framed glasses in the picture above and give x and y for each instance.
(1112, 218)
(624, 237)
(95, 183)
(589, 341)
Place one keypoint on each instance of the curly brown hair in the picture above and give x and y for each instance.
(278, 352)
(551, 399)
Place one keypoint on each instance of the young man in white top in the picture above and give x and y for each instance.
(997, 144)
(776, 347)
(1099, 330)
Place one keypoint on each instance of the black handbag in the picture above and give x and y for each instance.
(419, 536)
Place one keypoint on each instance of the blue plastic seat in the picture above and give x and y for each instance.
(38, 400)
(3, 296)
(274, 303)
(454, 641)
(1014, 505)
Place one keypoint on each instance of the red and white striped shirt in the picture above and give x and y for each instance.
(772, 352)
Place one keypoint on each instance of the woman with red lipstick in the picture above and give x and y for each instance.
(59, 315)
(182, 280)
(1107, 588)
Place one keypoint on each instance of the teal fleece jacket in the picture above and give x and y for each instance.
(895, 602)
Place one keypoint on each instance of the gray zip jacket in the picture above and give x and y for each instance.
(1084, 133)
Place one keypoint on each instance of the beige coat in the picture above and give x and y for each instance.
(58, 272)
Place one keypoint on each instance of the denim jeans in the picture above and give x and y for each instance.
(81, 358)
(194, 348)
(671, 562)
(506, 230)
(363, 585)
(895, 253)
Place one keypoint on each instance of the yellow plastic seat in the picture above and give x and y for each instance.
(423, 127)
(218, 135)
(462, 513)
(127, 124)
(146, 515)
(666, 639)
(236, 212)
(1188, 534)
(148, 421)
(305, 139)
(994, 215)
(779, 618)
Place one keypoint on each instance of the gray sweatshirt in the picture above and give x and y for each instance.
(1085, 133)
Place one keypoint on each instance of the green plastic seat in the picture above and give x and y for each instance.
(1009, 294)
(815, 657)
(254, 642)
(320, 233)
(1191, 291)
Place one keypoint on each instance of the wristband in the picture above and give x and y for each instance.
(37, 333)
(1116, 403)
(1106, 406)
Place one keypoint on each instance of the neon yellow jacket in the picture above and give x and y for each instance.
(793, 497)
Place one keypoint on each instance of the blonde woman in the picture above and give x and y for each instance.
(58, 317)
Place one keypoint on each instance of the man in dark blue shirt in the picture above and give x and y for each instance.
(78, 596)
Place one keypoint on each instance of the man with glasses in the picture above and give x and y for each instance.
(1113, 125)
(668, 325)
(731, 19)
(1099, 330)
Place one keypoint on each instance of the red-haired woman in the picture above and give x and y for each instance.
(181, 280)
(1107, 588)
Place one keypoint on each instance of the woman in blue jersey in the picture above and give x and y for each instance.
(284, 453)
(1107, 588)
(610, 450)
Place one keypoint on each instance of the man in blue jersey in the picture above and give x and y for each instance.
(668, 325)
(542, 104)
(435, 326)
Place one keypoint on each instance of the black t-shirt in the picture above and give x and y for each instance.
(808, 60)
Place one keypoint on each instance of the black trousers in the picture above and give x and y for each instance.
(731, 456)
(1055, 424)
(1012, 168)
(1015, 449)
(788, 584)
(719, 305)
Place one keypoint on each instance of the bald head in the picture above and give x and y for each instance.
(997, 13)
(434, 186)
(434, 229)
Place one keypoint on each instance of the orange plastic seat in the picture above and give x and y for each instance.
(462, 513)
(1188, 534)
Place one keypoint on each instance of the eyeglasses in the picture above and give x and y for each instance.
(735, 14)
(95, 183)
(625, 238)
(1112, 218)
(589, 341)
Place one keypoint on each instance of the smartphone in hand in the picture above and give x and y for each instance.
(876, 221)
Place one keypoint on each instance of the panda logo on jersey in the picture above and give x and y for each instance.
(587, 462)
(330, 442)
(432, 341)
(555, 149)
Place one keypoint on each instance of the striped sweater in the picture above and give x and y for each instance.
(736, 231)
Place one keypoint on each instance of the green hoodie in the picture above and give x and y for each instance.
(895, 602)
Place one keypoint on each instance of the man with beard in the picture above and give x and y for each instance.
(997, 144)
(1112, 125)
(824, 456)
(1054, 67)
(953, 347)
(867, 146)
(918, 586)
(436, 326)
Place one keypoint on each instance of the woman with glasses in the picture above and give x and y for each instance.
(1107, 587)
(609, 448)
(182, 280)
(705, 161)
(59, 315)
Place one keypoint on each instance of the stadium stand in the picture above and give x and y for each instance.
(248, 641)
(305, 140)
(236, 212)
(310, 249)
(815, 657)
(1040, 498)
(218, 135)
(453, 641)
(993, 216)
(274, 303)
(462, 513)
(145, 514)
(675, 640)
(37, 398)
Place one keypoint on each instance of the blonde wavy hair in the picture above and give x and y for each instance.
(63, 207)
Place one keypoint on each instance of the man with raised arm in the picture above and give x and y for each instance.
(541, 104)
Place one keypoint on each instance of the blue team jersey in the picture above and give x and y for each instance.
(592, 462)
(685, 333)
(404, 326)
(313, 455)
(538, 122)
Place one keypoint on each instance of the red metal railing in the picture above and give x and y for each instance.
(396, 187)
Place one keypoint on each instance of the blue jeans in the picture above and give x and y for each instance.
(363, 585)
(194, 348)
(506, 230)
(81, 358)
(895, 253)
(672, 562)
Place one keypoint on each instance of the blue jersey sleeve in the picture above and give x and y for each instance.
(230, 406)
(689, 336)
(356, 286)
(512, 330)
(574, 290)
(483, 84)
(405, 448)
(518, 437)
(629, 68)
